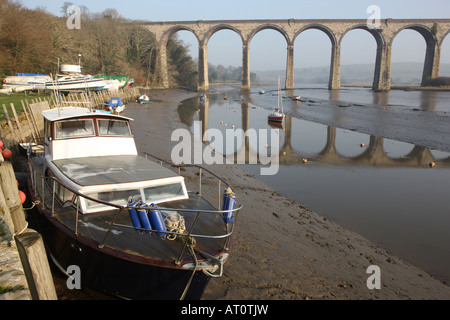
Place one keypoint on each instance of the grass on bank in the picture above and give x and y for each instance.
(16, 98)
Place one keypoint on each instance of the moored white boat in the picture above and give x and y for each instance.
(143, 99)
(131, 225)
(277, 115)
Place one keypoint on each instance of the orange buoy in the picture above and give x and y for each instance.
(7, 153)
(23, 196)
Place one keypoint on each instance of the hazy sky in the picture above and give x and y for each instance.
(268, 48)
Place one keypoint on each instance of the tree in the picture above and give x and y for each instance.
(33, 41)
(185, 72)
(141, 52)
(64, 8)
(25, 37)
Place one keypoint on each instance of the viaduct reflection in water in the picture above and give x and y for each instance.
(373, 154)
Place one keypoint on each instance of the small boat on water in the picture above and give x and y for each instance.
(143, 99)
(135, 229)
(277, 115)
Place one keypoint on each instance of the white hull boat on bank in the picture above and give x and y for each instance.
(73, 83)
(71, 79)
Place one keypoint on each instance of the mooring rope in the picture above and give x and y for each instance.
(191, 249)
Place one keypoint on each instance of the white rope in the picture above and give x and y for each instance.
(191, 249)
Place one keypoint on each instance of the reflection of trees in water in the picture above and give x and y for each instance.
(187, 110)
(189, 107)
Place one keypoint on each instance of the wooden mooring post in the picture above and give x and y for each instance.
(35, 266)
(29, 243)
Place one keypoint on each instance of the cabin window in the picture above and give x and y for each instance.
(47, 129)
(114, 197)
(74, 128)
(109, 127)
(63, 194)
(156, 194)
(164, 193)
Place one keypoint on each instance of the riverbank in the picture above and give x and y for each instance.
(282, 250)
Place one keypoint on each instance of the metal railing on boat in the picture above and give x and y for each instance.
(36, 176)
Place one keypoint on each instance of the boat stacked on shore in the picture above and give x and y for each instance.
(134, 227)
(71, 79)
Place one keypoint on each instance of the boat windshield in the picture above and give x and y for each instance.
(74, 128)
(154, 194)
(109, 127)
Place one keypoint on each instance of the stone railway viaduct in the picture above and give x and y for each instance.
(433, 31)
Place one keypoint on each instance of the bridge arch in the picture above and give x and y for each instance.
(426, 33)
(377, 50)
(246, 53)
(432, 51)
(320, 27)
(169, 32)
(381, 77)
(218, 28)
(270, 26)
(378, 36)
(333, 80)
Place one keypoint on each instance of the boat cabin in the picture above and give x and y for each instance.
(79, 132)
(95, 154)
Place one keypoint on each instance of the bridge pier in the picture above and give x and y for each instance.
(335, 67)
(290, 67)
(162, 76)
(432, 61)
(203, 81)
(382, 77)
(245, 85)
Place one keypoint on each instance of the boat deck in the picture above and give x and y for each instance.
(127, 240)
(95, 227)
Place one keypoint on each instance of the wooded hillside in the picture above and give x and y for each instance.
(31, 41)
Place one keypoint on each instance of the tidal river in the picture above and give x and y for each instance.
(375, 163)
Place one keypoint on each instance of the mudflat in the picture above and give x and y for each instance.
(282, 250)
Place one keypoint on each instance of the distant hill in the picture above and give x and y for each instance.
(401, 73)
